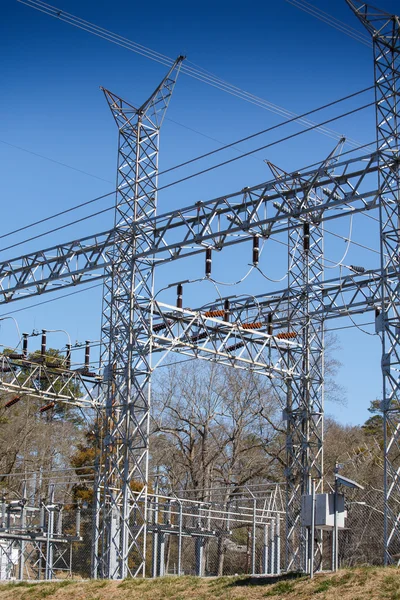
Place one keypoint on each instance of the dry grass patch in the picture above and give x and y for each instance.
(352, 584)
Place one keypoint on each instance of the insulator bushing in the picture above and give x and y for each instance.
(179, 293)
(306, 237)
(357, 269)
(269, 324)
(68, 357)
(256, 250)
(87, 355)
(25, 345)
(11, 402)
(214, 313)
(227, 310)
(251, 325)
(47, 407)
(234, 347)
(286, 335)
(199, 336)
(208, 261)
(43, 345)
(160, 326)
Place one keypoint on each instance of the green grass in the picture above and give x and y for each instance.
(391, 587)
(283, 587)
(357, 584)
(335, 582)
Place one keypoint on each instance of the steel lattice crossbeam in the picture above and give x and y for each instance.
(27, 378)
(258, 211)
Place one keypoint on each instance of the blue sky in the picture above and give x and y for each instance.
(51, 105)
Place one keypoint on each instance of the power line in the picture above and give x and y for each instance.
(331, 21)
(57, 162)
(284, 139)
(35, 237)
(63, 164)
(199, 172)
(350, 326)
(194, 72)
(12, 312)
(267, 130)
(59, 214)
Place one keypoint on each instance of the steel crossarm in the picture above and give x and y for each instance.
(234, 344)
(342, 296)
(29, 379)
(70, 264)
(261, 210)
(265, 210)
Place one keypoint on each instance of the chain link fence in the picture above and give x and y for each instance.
(227, 534)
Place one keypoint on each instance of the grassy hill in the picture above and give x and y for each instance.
(352, 584)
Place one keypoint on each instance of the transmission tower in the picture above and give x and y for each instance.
(304, 394)
(385, 31)
(121, 517)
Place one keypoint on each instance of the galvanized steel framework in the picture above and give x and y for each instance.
(135, 326)
(385, 31)
(121, 518)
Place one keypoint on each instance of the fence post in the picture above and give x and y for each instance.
(278, 545)
(272, 548)
(180, 538)
(265, 551)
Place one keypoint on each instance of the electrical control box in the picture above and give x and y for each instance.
(324, 511)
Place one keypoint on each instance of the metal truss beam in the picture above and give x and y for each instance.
(342, 296)
(58, 267)
(26, 378)
(235, 344)
(258, 211)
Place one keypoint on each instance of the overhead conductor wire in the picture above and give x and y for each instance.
(203, 171)
(331, 21)
(197, 73)
(78, 206)
(194, 72)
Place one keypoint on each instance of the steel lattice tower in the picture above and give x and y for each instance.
(385, 31)
(120, 544)
(304, 392)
